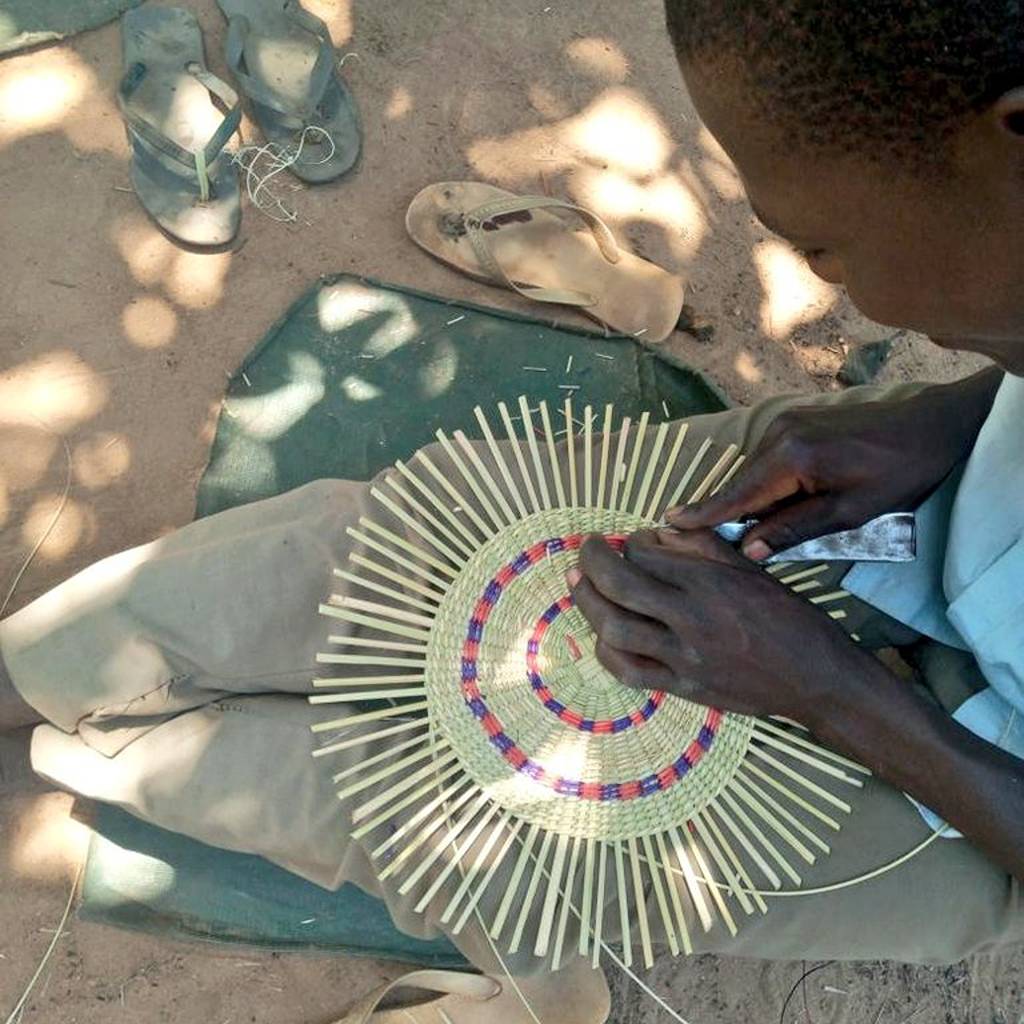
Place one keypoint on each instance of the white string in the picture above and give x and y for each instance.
(49, 529)
(20, 1005)
(822, 889)
(276, 158)
(644, 987)
(867, 876)
(883, 868)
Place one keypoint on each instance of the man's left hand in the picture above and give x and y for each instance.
(685, 613)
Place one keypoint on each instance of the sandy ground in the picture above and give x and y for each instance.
(114, 347)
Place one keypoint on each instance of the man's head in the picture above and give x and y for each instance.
(886, 140)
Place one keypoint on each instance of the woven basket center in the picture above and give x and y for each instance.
(564, 672)
(514, 685)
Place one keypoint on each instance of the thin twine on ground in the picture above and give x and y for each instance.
(49, 529)
(19, 1007)
(263, 163)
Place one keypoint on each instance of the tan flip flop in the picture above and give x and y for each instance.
(575, 995)
(516, 241)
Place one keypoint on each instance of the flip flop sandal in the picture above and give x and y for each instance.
(505, 239)
(580, 996)
(284, 61)
(181, 172)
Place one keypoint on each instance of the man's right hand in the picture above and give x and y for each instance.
(822, 469)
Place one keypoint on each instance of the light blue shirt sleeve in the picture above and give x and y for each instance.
(966, 586)
(989, 614)
(911, 592)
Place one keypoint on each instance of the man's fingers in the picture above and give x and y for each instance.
(620, 581)
(677, 555)
(619, 628)
(635, 670)
(704, 544)
(794, 524)
(758, 485)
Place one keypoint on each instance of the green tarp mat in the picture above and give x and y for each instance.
(145, 878)
(354, 376)
(358, 374)
(25, 23)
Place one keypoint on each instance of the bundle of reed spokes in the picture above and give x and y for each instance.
(510, 777)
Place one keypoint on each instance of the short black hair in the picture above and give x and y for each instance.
(883, 76)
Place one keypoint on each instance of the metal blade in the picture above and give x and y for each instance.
(888, 538)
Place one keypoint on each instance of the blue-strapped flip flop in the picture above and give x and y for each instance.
(180, 169)
(284, 62)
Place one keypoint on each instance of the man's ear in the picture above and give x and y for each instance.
(1008, 112)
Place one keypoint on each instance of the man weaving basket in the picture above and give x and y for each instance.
(886, 143)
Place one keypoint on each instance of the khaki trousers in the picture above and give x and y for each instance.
(173, 678)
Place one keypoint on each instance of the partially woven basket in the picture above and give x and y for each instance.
(504, 741)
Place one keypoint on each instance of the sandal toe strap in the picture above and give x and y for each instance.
(194, 163)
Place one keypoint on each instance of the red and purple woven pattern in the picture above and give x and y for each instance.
(547, 698)
(620, 790)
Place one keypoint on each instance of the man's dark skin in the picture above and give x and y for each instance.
(938, 251)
